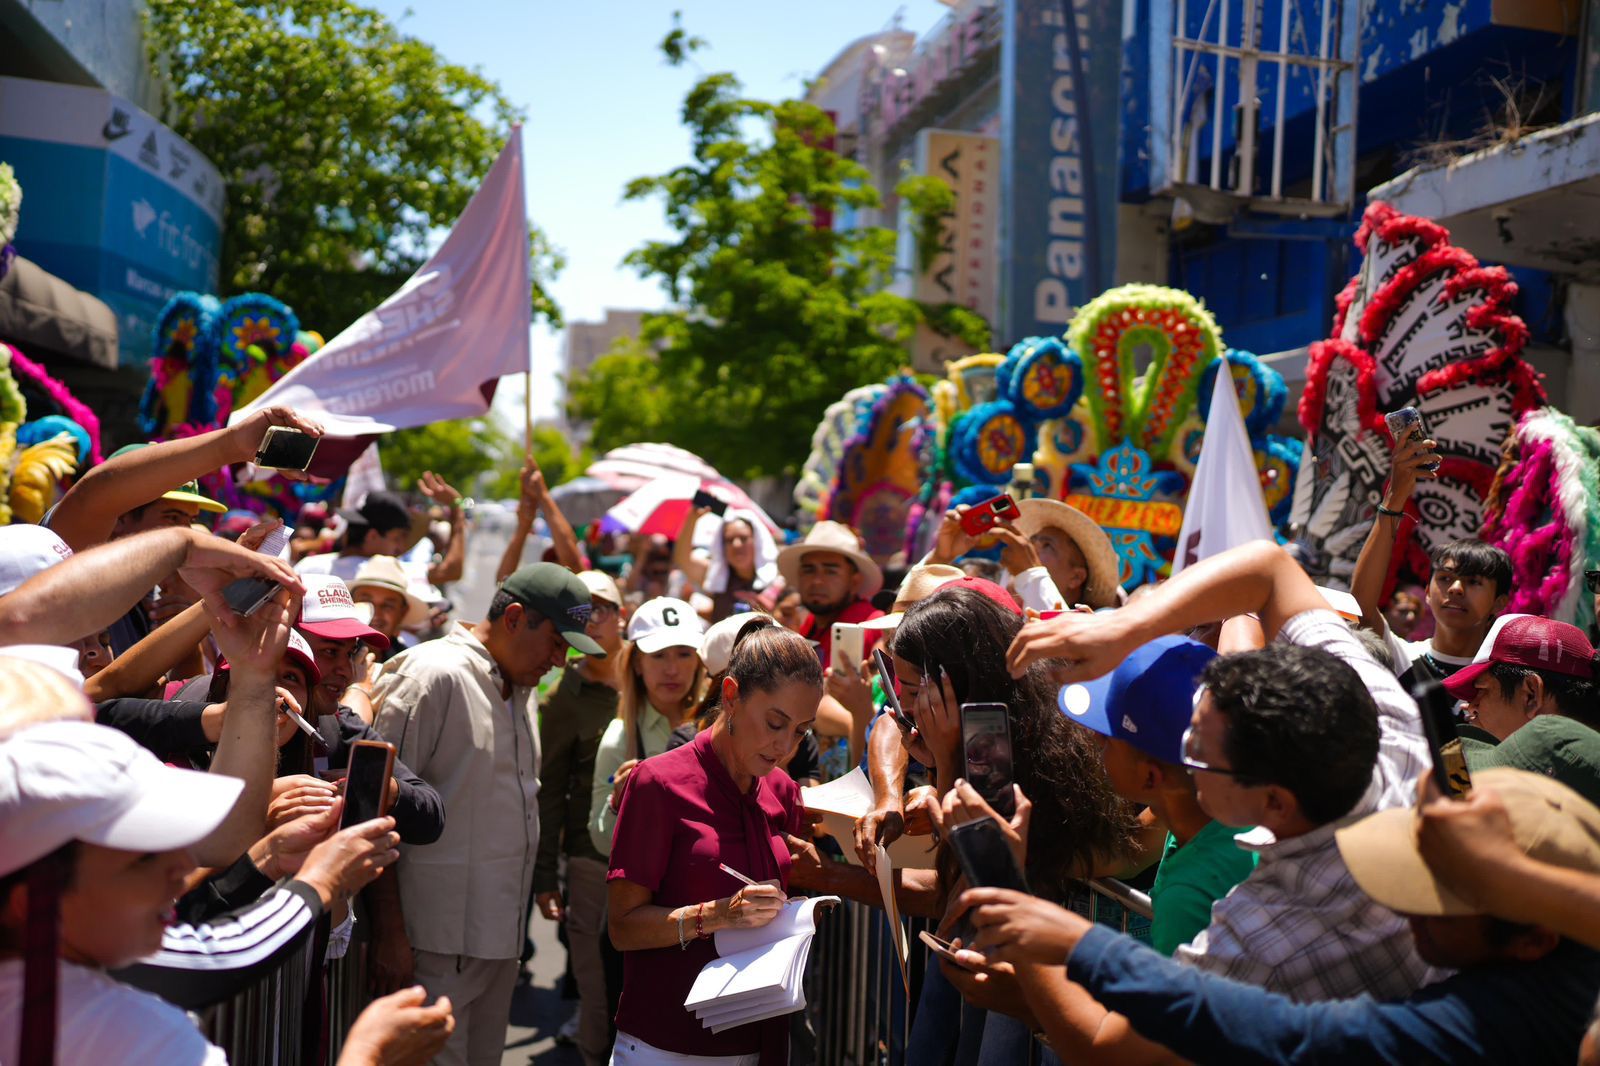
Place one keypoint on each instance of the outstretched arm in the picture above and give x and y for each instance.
(1372, 565)
(683, 556)
(89, 511)
(94, 588)
(1258, 578)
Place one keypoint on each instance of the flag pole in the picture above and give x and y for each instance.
(527, 412)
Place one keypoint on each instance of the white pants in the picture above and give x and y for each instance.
(631, 1051)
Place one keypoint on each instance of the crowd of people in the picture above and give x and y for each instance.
(618, 742)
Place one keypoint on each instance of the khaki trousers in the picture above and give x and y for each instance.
(586, 918)
(480, 995)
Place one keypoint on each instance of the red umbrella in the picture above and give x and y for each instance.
(660, 505)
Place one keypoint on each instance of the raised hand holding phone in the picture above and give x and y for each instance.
(1450, 771)
(366, 786)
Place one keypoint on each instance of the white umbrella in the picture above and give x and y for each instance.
(660, 506)
(634, 465)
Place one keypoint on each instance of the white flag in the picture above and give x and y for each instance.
(365, 478)
(427, 353)
(1225, 508)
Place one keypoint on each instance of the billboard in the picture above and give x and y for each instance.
(1059, 110)
(114, 202)
(963, 270)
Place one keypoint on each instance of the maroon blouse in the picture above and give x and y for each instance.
(681, 816)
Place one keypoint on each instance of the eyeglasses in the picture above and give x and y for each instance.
(1591, 581)
(1194, 762)
(603, 612)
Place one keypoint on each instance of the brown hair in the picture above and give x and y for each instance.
(766, 655)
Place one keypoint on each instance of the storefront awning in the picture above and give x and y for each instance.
(1532, 202)
(41, 312)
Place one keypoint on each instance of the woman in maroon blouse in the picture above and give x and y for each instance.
(712, 802)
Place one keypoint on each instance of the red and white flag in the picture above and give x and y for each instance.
(435, 349)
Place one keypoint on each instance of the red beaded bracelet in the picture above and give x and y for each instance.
(699, 928)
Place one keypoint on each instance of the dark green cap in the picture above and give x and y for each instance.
(557, 594)
(1562, 748)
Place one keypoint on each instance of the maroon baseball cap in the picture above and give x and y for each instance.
(1529, 641)
(329, 611)
(987, 588)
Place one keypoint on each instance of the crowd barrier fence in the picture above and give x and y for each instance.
(860, 1013)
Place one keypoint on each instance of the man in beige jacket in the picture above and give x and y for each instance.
(460, 710)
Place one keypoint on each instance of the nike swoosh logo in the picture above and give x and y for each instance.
(111, 132)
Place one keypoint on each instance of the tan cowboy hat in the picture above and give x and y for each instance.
(385, 572)
(831, 537)
(919, 583)
(1104, 571)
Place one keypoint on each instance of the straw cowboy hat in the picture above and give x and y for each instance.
(1100, 590)
(919, 583)
(385, 572)
(831, 537)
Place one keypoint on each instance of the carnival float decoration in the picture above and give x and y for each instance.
(38, 456)
(210, 357)
(1423, 325)
(1543, 508)
(1117, 435)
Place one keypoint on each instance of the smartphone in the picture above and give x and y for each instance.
(886, 678)
(1438, 709)
(981, 517)
(286, 449)
(849, 648)
(247, 595)
(1405, 424)
(986, 754)
(985, 856)
(716, 504)
(942, 948)
(367, 783)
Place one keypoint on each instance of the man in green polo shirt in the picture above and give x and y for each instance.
(1141, 710)
(571, 722)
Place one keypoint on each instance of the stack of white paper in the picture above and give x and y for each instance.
(760, 972)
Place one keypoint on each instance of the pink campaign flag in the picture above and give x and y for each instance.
(435, 349)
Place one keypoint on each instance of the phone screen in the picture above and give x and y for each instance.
(985, 857)
(986, 754)
(246, 595)
(286, 449)
(365, 784)
(717, 505)
(1450, 771)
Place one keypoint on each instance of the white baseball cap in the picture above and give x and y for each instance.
(716, 650)
(25, 551)
(65, 781)
(665, 622)
(601, 585)
(329, 611)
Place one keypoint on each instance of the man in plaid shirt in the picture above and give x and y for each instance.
(1296, 739)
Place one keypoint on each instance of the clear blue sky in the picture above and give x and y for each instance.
(602, 108)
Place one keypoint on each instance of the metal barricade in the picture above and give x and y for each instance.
(861, 1011)
(266, 1022)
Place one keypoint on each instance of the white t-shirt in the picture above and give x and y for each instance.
(104, 1021)
(343, 567)
(1407, 652)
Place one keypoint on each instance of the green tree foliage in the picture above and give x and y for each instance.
(775, 316)
(480, 456)
(344, 145)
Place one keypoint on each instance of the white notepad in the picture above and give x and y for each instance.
(759, 972)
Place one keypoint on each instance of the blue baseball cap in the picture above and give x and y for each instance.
(1147, 701)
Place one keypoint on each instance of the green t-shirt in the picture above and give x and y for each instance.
(1190, 880)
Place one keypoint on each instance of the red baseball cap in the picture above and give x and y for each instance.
(329, 611)
(987, 588)
(1530, 641)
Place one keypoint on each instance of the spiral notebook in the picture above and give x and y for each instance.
(760, 972)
